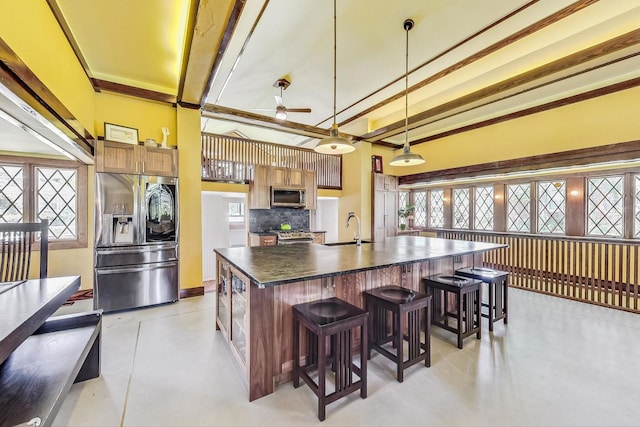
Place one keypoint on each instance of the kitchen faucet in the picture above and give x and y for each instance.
(353, 215)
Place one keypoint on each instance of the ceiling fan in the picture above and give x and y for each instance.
(281, 111)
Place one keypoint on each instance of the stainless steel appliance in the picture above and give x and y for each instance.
(136, 241)
(288, 197)
(288, 237)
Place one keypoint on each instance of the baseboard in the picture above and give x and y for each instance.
(192, 292)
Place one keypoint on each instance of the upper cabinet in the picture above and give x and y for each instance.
(136, 159)
(285, 177)
(259, 188)
(265, 177)
(311, 190)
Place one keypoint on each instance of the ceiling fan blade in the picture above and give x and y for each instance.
(278, 100)
(298, 110)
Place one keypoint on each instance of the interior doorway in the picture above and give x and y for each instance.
(223, 226)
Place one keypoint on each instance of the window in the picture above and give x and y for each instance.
(484, 208)
(461, 208)
(436, 208)
(403, 200)
(32, 189)
(605, 206)
(236, 212)
(420, 213)
(551, 206)
(519, 208)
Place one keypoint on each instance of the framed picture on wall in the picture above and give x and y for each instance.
(376, 164)
(119, 133)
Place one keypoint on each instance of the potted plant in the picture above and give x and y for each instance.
(405, 213)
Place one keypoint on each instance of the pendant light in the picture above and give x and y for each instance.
(334, 144)
(407, 158)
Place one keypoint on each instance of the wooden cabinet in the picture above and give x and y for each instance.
(319, 238)
(231, 317)
(136, 159)
(385, 206)
(259, 196)
(262, 240)
(285, 177)
(264, 177)
(311, 190)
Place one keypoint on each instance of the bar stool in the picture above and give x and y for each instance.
(497, 281)
(403, 304)
(467, 295)
(335, 319)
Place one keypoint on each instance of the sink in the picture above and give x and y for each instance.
(328, 309)
(352, 242)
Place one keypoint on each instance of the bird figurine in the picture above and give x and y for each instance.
(165, 133)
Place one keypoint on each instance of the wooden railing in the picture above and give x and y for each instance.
(604, 272)
(230, 159)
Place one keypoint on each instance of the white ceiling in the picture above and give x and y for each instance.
(462, 55)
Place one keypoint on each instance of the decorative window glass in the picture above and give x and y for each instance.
(551, 206)
(636, 207)
(436, 208)
(605, 206)
(484, 208)
(461, 208)
(519, 208)
(57, 191)
(403, 200)
(420, 213)
(56, 201)
(11, 193)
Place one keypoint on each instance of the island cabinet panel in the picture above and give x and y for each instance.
(284, 298)
(260, 372)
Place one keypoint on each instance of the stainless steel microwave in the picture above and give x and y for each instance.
(288, 197)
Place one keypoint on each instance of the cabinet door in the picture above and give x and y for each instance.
(116, 157)
(259, 188)
(223, 303)
(239, 285)
(279, 177)
(311, 190)
(296, 177)
(391, 213)
(268, 240)
(318, 238)
(159, 161)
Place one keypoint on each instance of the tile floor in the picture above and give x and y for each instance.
(557, 363)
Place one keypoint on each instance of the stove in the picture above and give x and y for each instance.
(294, 236)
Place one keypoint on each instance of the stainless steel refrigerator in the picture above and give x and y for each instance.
(136, 241)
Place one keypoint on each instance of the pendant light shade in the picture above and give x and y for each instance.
(407, 158)
(334, 144)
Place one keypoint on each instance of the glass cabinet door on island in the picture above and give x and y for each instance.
(231, 316)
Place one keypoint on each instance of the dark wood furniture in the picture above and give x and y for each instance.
(42, 356)
(405, 307)
(498, 296)
(18, 240)
(335, 320)
(277, 277)
(467, 297)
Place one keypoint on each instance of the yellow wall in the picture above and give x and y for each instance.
(33, 33)
(188, 123)
(356, 192)
(148, 117)
(606, 120)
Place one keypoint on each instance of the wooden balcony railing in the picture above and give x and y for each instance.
(604, 272)
(231, 159)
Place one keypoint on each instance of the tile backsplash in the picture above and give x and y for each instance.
(261, 220)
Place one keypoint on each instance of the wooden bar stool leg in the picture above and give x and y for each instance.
(363, 360)
(322, 380)
(427, 334)
(296, 353)
(479, 311)
(492, 305)
(459, 299)
(397, 322)
(506, 301)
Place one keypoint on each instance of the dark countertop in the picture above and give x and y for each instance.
(281, 264)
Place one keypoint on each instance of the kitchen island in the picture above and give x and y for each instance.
(258, 285)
